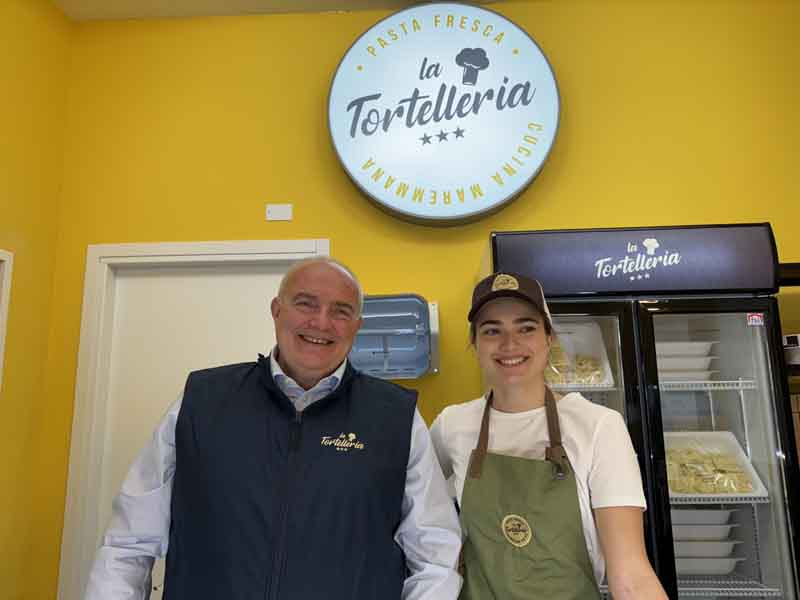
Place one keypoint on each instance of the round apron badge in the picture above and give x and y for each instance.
(517, 531)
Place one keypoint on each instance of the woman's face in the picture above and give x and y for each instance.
(511, 342)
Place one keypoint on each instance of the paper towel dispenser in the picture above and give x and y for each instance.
(399, 338)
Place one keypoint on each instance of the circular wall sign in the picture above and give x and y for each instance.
(443, 112)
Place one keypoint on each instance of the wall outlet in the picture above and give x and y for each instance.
(279, 212)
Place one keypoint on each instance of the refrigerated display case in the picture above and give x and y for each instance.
(723, 448)
(688, 350)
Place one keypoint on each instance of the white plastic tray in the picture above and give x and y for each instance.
(683, 348)
(583, 338)
(684, 363)
(706, 566)
(697, 533)
(716, 441)
(705, 549)
(699, 516)
(688, 375)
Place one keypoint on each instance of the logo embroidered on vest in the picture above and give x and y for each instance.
(505, 282)
(517, 531)
(344, 443)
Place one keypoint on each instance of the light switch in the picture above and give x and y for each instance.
(279, 212)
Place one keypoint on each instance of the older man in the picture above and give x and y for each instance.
(294, 478)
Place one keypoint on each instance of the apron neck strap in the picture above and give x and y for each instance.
(554, 453)
(476, 460)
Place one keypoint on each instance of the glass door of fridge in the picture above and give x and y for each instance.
(726, 475)
(594, 353)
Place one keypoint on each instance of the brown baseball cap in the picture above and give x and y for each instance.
(508, 285)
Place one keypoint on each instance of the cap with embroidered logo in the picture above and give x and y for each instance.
(508, 285)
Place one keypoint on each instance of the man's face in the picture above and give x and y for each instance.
(316, 319)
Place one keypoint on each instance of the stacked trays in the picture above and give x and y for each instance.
(704, 542)
(684, 361)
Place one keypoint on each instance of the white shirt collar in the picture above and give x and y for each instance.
(293, 390)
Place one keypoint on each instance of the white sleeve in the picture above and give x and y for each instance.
(614, 478)
(429, 533)
(138, 531)
(438, 438)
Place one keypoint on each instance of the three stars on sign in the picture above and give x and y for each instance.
(442, 135)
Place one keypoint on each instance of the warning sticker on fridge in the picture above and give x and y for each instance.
(755, 319)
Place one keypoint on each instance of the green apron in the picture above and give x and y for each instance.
(523, 526)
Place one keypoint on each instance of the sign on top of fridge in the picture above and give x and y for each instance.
(729, 258)
(443, 112)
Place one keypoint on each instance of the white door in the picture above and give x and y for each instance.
(162, 320)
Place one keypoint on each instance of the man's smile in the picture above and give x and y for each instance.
(314, 340)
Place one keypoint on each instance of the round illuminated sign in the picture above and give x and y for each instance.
(443, 112)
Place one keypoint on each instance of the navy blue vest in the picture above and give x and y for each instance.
(272, 504)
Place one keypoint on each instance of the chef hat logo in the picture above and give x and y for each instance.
(652, 245)
(472, 60)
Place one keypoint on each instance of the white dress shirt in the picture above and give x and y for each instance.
(138, 532)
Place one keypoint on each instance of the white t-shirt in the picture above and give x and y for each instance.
(595, 438)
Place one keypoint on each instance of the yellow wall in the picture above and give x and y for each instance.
(673, 113)
(33, 80)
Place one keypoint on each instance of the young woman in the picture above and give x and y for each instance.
(549, 487)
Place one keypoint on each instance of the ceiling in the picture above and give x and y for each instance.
(84, 10)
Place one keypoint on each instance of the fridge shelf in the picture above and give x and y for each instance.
(707, 386)
(718, 499)
(731, 586)
(582, 387)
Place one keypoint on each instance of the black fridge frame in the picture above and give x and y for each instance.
(768, 305)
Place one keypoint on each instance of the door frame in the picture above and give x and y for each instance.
(89, 424)
(6, 266)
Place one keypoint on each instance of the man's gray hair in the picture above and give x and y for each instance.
(324, 260)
